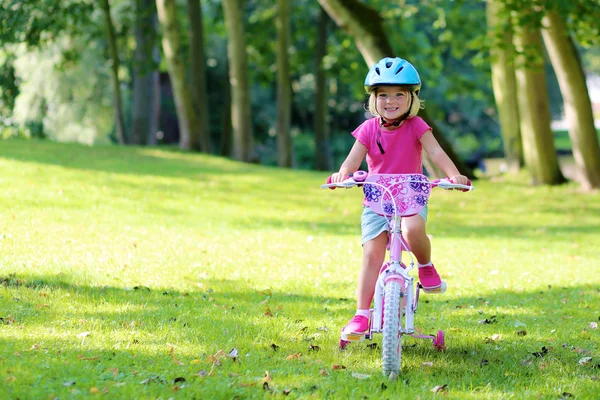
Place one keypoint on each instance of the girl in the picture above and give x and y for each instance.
(392, 143)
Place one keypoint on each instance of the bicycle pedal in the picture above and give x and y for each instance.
(353, 337)
(438, 290)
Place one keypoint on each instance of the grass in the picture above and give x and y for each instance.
(147, 273)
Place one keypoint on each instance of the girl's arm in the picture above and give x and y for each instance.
(352, 162)
(441, 159)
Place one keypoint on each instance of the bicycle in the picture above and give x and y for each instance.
(396, 295)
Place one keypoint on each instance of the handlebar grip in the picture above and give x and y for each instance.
(463, 190)
(329, 181)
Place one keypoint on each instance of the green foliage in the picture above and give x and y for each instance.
(139, 273)
(39, 22)
(72, 103)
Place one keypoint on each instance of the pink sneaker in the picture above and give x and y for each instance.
(429, 278)
(358, 324)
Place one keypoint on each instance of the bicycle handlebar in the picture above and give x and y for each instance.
(358, 178)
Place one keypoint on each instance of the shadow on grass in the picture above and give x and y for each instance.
(505, 337)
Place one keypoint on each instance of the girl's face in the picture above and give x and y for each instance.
(392, 102)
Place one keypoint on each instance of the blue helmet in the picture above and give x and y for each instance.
(393, 71)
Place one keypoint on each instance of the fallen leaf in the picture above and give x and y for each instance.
(233, 354)
(323, 372)
(541, 353)
(94, 390)
(286, 391)
(274, 346)
(438, 389)
(313, 348)
(294, 356)
(360, 376)
(82, 357)
(585, 360)
(337, 366)
(267, 377)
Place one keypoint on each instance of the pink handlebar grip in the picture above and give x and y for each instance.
(329, 181)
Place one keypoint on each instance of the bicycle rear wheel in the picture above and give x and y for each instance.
(392, 340)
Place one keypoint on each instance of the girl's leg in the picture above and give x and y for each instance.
(373, 256)
(414, 232)
(413, 229)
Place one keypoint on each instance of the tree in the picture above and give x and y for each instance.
(578, 108)
(238, 79)
(285, 153)
(323, 159)
(504, 81)
(198, 72)
(534, 111)
(145, 74)
(366, 27)
(171, 43)
(114, 57)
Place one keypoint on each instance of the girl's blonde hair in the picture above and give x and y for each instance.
(417, 104)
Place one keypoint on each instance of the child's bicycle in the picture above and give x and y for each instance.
(396, 299)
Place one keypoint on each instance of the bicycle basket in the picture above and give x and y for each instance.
(404, 194)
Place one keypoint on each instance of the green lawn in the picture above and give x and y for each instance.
(146, 273)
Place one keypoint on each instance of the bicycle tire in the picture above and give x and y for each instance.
(392, 340)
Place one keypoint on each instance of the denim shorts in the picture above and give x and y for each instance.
(372, 224)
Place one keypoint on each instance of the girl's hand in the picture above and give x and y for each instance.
(460, 179)
(338, 177)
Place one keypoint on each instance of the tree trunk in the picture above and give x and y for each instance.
(171, 43)
(145, 71)
(323, 158)
(155, 116)
(578, 107)
(198, 72)
(366, 26)
(504, 83)
(114, 56)
(538, 143)
(285, 149)
(238, 79)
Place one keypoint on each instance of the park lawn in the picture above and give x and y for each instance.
(146, 273)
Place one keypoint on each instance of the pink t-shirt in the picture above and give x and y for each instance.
(402, 146)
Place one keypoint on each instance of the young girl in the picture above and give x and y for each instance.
(393, 143)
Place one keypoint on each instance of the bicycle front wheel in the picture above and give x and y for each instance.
(392, 340)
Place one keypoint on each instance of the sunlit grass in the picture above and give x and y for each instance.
(123, 270)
